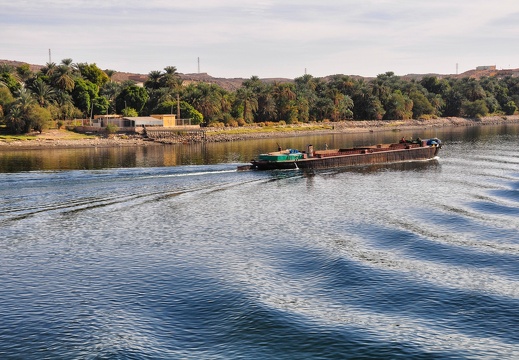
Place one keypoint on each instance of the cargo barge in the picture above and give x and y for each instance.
(405, 150)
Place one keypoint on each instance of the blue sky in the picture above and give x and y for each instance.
(242, 38)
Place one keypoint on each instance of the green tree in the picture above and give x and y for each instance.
(475, 109)
(366, 105)
(24, 72)
(110, 73)
(267, 109)
(153, 82)
(285, 96)
(248, 98)
(453, 103)
(398, 106)
(306, 96)
(64, 107)
(93, 73)
(206, 98)
(42, 92)
(25, 114)
(39, 118)
(132, 96)
(171, 79)
(15, 119)
(129, 112)
(49, 69)
(9, 80)
(342, 105)
(83, 94)
(6, 99)
(510, 108)
(472, 90)
(100, 105)
(63, 78)
(421, 105)
(434, 85)
(110, 91)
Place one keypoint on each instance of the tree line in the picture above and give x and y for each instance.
(31, 100)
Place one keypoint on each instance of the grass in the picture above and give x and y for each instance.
(53, 134)
(269, 129)
(10, 138)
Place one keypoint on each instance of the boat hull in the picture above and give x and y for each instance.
(364, 157)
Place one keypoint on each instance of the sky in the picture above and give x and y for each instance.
(269, 39)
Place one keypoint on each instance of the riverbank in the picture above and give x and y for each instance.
(217, 135)
(64, 139)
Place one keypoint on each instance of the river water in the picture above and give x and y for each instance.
(170, 253)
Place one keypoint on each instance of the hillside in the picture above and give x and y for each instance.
(232, 84)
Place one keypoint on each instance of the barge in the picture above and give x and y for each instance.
(405, 150)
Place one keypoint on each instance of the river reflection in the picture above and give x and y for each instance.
(216, 153)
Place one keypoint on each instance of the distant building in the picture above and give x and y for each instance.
(168, 120)
(126, 121)
(487, 67)
(103, 120)
(141, 121)
(155, 120)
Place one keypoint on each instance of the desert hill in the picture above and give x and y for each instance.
(232, 84)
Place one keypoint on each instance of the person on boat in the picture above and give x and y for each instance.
(402, 140)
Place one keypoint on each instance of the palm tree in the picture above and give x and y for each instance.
(267, 110)
(208, 101)
(110, 73)
(49, 69)
(63, 78)
(250, 103)
(17, 119)
(66, 107)
(24, 99)
(111, 90)
(42, 92)
(171, 79)
(154, 79)
(285, 99)
(68, 63)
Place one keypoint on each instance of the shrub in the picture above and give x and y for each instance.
(232, 123)
(510, 108)
(216, 124)
(475, 109)
(111, 128)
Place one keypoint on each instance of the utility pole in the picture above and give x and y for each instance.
(91, 113)
(199, 65)
(49, 57)
(178, 107)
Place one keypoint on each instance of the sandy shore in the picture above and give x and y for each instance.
(57, 139)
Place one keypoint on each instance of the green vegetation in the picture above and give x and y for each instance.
(270, 129)
(112, 128)
(5, 136)
(61, 92)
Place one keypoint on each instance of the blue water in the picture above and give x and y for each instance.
(202, 262)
